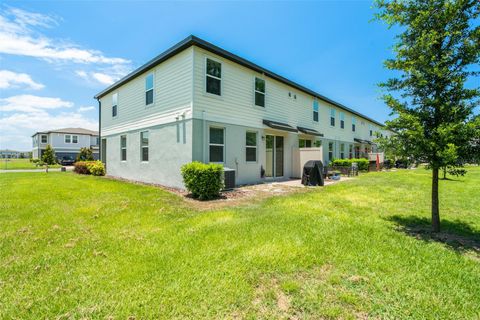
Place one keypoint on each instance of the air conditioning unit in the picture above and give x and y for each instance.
(229, 178)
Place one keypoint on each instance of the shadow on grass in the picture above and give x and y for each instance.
(457, 235)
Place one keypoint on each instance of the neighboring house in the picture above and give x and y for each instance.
(65, 142)
(199, 102)
(10, 154)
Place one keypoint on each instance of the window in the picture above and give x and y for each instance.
(304, 143)
(350, 151)
(114, 104)
(217, 144)
(149, 89)
(74, 139)
(342, 120)
(144, 146)
(354, 122)
(315, 110)
(68, 138)
(330, 151)
(214, 77)
(44, 138)
(259, 92)
(332, 117)
(251, 147)
(123, 148)
(342, 151)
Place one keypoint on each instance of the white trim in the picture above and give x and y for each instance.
(65, 138)
(255, 92)
(74, 135)
(150, 121)
(143, 147)
(121, 148)
(153, 89)
(217, 144)
(115, 94)
(214, 77)
(255, 146)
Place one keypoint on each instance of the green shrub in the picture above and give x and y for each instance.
(95, 168)
(362, 163)
(203, 181)
(85, 154)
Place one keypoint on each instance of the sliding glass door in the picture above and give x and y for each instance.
(274, 156)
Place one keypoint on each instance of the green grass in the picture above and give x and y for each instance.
(15, 164)
(84, 247)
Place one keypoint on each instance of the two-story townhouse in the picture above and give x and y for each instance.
(198, 102)
(66, 142)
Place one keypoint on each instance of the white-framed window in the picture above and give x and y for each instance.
(144, 146)
(216, 147)
(259, 92)
(354, 124)
(330, 151)
(43, 138)
(123, 148)
(304, 143)
(74, 139)
(342, 120)
(350, 151)
(114, 105)
(332, 117)
(342, 151)
(251, 146)
(149, 80)
(68, 138)
(213, 77)
(315, 110)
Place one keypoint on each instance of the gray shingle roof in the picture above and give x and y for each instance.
(72, 131)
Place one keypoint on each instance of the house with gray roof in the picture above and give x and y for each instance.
(199, 102)
(66, 142)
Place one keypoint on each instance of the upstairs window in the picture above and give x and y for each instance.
(149, 89)
(214, 77)
(315, 110)
(216, 144)
(144, 146)
(259, 92)
(354, 123)
(123, 148)
(114, 104)
(44, 138)
(342, 121)
(251, 147)
(74, 139)
(304, 143)
(332, 117)
(68, 138)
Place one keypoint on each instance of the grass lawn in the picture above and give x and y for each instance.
(84, 247)
(11, 164)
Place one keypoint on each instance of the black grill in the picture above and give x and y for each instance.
(229, 178)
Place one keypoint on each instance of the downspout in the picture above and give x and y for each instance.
(100, 156)
(204, 136)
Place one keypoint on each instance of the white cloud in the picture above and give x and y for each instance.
(31, 104)
(85, 109)
(18, 37)
(13, 80)
(103, 78)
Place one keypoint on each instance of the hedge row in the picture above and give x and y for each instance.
(203, 181)
(362, 163)
(95, 168)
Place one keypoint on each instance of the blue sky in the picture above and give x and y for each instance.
(55, 56)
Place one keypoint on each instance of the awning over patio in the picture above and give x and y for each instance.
(310, 131)
(362, 141)
(279, 125)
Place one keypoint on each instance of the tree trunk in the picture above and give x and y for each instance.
(435, 205)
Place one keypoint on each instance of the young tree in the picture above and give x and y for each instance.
(48, 156)
(436, 53)
(86, 154)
